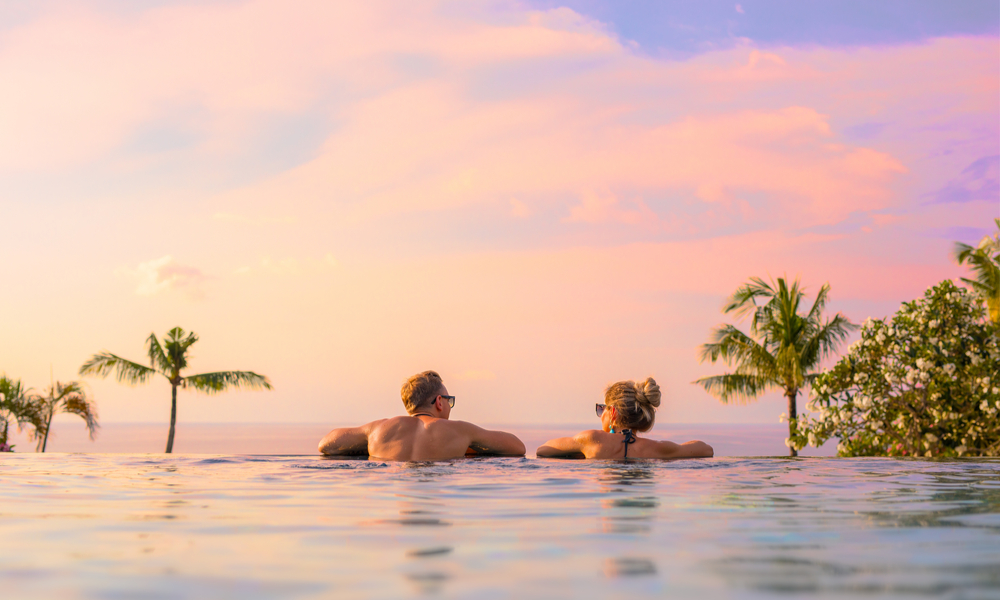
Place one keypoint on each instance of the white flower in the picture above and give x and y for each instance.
(949, 369)
(782, 418)
(788, 442)
(933, 340)
(931, 437)
(812, 440)
(860, 377)
(841, 447)
(933, 324)
(880, 338)
(961, 449)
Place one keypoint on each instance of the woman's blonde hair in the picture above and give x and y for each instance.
(635, 402)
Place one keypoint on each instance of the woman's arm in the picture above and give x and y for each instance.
(693, 449)
(564, 447)
(346, 441)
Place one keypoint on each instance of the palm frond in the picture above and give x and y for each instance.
(744, 299)
(17, 403)
(824, 341)
(157, 358)
(211, 383)
(80, 405)
(126, 371)
(984, 261)
(732, 345)
(734, 387)
(819, 304)
(177, 344)
(789, 362)
(784, 345)
(961, 252)
(11, 389)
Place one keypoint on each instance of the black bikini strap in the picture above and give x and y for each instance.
(629, 439)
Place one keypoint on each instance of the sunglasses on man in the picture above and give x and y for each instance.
(450, 399)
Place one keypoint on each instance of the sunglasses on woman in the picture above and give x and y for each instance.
(601, 408)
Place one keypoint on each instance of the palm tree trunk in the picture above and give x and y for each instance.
(791, 419)
(173, 417)
(48, 426)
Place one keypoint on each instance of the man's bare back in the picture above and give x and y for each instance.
(419, 438)
(425, 434)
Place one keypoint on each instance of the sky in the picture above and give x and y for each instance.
(535, 199)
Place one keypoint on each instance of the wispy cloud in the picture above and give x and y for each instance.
(978, 181)
(166, 274)
(602, 208)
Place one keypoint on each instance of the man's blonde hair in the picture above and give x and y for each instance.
(419, 390)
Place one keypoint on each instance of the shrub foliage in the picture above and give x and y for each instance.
(921, 383)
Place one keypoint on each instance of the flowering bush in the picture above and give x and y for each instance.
(922, 383)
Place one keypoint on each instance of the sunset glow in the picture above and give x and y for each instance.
(532, 199)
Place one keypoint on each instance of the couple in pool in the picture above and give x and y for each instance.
(426, 433)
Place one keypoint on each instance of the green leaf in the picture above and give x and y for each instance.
(126, 371)
(211, 383)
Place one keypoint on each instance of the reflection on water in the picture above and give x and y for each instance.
(629, 567)
(120, 526)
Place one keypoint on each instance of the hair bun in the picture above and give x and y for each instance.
(647, 392)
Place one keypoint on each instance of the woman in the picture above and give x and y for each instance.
(629, 408)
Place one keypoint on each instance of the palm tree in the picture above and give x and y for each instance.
(64, 398)
(15, 406)
(984, 260)
(168, 360)
(783, 348)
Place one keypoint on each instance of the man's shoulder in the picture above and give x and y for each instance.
(457, 425)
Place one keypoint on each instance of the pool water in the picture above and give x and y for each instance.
(149, 526)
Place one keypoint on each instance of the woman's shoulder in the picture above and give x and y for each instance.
(591, 435)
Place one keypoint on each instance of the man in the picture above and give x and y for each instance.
(425, 434)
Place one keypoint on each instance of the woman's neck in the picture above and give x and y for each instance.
(617, 429)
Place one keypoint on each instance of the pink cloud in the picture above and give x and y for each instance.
(535, 121)
(426, 143)
(166, 274)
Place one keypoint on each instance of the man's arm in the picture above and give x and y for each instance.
(484, 441)
(346, 441)
(694, 449)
